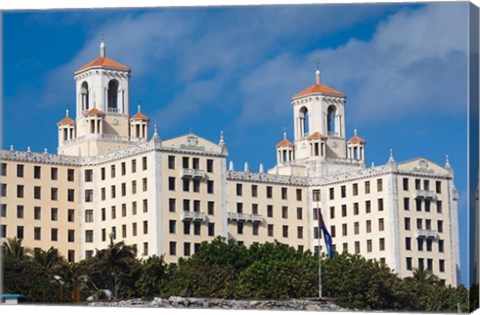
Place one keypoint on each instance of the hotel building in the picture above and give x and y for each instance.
(166, 196)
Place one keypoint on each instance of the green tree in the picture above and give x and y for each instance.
(153, 276)
(12, 248)
(49, 259)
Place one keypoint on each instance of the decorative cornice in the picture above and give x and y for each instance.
(267, 178)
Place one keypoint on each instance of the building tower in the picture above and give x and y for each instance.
(319, 119)
(103, 121)
(356, 148)
(66, 129)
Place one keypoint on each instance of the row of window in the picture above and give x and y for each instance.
(429, 265)
(356, 228)
(37, 213)
(427, 242)
(37, 233)
(89, 233)
(187, 246)
(269, 192)
(420, 226)
(195, 164)
(186, 185)
(418, 185)
(113, 170)
(425, 205)
(355, 209)
(187, 228)
(37, 172)
(37, 192)
(270, 212)
(89, 213)
(123, 189)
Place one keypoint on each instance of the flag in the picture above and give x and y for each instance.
(326, 235)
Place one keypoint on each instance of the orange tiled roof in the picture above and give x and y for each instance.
(66, 121)
(285, 143)
(103, 62)
(357, 139)
(318, 88)
(139, 116)
(95, 111)
(316, 135)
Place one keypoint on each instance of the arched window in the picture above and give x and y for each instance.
(331, 120)
(112, 95)
(303, 116)
(84, 96)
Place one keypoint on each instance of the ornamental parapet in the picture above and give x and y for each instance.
(425, 194)
(267, 178)
(192, 173)
(247, 217)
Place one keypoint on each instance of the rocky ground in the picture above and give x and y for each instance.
(181, 302)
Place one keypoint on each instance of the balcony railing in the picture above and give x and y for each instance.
(426, 233)
(233, 216)
(193, 173)
(425, 194)
(194, 216)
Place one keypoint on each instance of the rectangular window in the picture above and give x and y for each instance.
(441, 265)
(173, 248)
(315, 213)
(171, 205)
(20, 231)
(134, 166)
(239, 189)
(172, 227)
(355, 208)
(408, 243)
(428, 224)
(88, 175)
(209, 165)
(409, 263)
(37, 172)
(102, 173)
(438, 187)
(417, 184)
(71, 215)
(124, 209)
(89, 236)
(196, 185)
(426, 184)
(134, 187)
(316, 232)
(270, 211)
(186, 204)
(406, 204)
(144, 163)
(54, 214)
(285, 230)
(124, 189)
(239, 207)
(439, 206)
(255, 226)
(211, 229)
(70, 175)
(379, 184)
(254, 208)
(20, 212)
(284, 193)
(367, 187)
(195, 163)
(269, 192)
(440, 246)
(37, 192)
(344, 229)
(316, 195)
(124, 230)
(3, 230)
(381, 225)
(145, 227)
(240, 228)
(88, 195)
(420, 244)
(356, 228)
(344, 210)
(123, 167)
(196, 205)
(430, 264)
(54, 173)
(88, 215)
(382, 244)
(54, 235)
(343, 191)
(185, 162)
(3, 190)
(186, 249)
(54, 193)
(37, 213)
(418, 204)
(332, 231)
(405, 184)
(357, 247)
(186, 228)
(429, 245)
(270, 230)
(186, 184)
(355, 189)
(145, 205)
(103, 193)
(299, 213)
(254, 190)
(369, 246)
(145, 249)
(210, 188)
(171, 183)
(20, 191)
(134, 229)
(407, 224)
(332, 213)
(144, 184)
(71, 236)
(299, 195)
(300, 232)
(20, 170)
(114, 212)
(3, 169)
(369, 226)
(171, 162)
(112, 171)
(37, 233)
(285, 212)
(368, 206)
(331, 193)
(380, 204)
(440, 226)
(427, 205)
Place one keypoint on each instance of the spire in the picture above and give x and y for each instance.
(317, 73)
(222, 142)
(355, 132)
(66, 111)
(102, 48)
(447, 163)
(391, 160)
(246, 167)
(261, 168)
(230, 166)
(155, 133)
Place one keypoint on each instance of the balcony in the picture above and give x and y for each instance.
(246, 217)
(425, 194)
(194, 216)
(192, 173)
(426, 234)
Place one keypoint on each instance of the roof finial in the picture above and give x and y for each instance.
(155, 132)
(391, 160)
(317, 73)
(102, 48)
(222, 142)
(447, 162)
(355, 132)
(138, 106)
(284, 133)
(66, 110)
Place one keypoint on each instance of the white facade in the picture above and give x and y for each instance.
(166, 196)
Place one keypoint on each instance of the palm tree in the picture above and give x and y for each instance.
(49, 259)
(113, 261)
(13, 248)
(424, 276)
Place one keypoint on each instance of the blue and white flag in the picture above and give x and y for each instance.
(326, 235)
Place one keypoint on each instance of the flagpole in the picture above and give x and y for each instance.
(319, 257)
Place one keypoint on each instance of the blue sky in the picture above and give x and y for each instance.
(403, 67)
